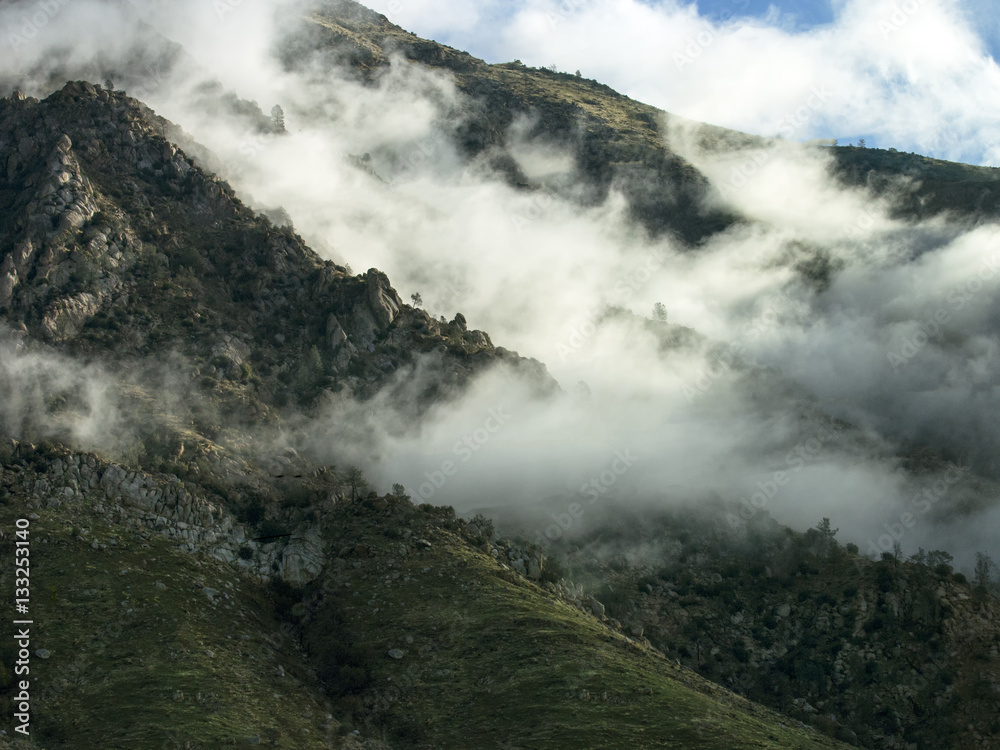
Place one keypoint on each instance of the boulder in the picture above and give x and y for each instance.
(335, 333)
(382, 298)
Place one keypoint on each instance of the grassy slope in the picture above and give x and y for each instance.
(492, 660)
(141, 657)
(130, 665)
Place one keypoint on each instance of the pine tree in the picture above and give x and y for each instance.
(278, 118)
(984, 570)
(356, 480)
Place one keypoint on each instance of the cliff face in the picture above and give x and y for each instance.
(116, 244)
(100, 208)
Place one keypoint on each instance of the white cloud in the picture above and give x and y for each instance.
(532, 268)
(914, 75)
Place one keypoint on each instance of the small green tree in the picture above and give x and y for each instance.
(826, 530)
(400, 491)
(940, 561)
(278, 118)
(660, 312)
(356, 481)
(984, 570)
(416, 299)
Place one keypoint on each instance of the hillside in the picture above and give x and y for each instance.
(881, 653)
(121, 249)
(390, 626)
(186, 386)
(616, 141)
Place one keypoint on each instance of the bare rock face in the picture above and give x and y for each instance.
(302, 560)
(48, 244)
(234, 351)
(335, 333)
(64, 318)
(384, 301)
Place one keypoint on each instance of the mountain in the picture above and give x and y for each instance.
(191, 393)
(616, 142)
(120, 249)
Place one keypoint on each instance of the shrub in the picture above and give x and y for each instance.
(884, 578)
(252, 513)
(552, 571)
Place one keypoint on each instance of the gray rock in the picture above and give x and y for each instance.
(395, 653)
(384, 301)
(335, 333)
(43, 653)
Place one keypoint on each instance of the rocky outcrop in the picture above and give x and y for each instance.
(370, 316)
(52, 256)
(65, 318)
(163, 505)
(385, 303)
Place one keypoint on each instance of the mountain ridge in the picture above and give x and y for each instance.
(191, 338)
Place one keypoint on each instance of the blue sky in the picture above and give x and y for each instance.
(916, 75)
(798, 15)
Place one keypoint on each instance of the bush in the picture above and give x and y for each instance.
(252, 513)
(552, 571)
(884, 578)
(346, 666)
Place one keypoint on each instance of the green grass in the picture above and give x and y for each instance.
(130, 665)
(491, 660)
